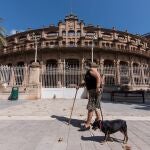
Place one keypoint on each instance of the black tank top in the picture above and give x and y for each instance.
(90, 81)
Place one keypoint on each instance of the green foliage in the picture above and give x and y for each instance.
(2, 35)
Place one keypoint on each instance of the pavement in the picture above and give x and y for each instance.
(42, 125)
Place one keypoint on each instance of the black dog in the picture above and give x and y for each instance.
(110, 127)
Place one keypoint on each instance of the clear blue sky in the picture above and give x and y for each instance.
(133, 15)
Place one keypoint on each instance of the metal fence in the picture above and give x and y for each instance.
(70, 77)
(52, 77)
(14, 76)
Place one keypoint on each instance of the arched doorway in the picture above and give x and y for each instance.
(51, 63)
(124, 72)
(108, 63)
(109, 72)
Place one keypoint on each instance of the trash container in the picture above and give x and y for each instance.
(14, 93)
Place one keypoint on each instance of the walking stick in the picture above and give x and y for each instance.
(101, 92)
(72, 107)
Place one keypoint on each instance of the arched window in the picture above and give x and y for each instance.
(21, 63)
(136, 69)
(9, 64)
(52, 43)
(122, 46)
(72, 63)
(124, 72)
(123, 63)
(78, 33)
(90, 43)
(64, 33)
(135, 64)
(63, 43)
(72, 78)
(86, 43)
(108, 63)
(56, 43)
(71, 43)
(107, 44)
(71, 33)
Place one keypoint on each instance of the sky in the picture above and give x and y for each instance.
(131, 15)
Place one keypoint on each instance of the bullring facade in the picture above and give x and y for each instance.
(70, 44)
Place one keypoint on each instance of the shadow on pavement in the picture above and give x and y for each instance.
(141, 106)
(144, 107)
(73, 122)
(100, 139)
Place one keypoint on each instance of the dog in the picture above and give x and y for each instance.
(110, 127)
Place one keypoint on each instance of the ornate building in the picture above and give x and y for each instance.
(71, 42)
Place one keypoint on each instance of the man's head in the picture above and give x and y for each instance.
(93, 65)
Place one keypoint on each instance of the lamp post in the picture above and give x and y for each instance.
(36, 47)
(94, 38)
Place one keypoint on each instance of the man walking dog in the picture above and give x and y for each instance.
(93, 82)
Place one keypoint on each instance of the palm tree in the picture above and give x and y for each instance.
(2, 35)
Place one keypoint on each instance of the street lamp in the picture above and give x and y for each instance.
(36, 46)
(94, 38)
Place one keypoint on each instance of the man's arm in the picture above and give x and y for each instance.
(80, 85)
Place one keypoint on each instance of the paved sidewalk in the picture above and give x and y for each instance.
(38, 125)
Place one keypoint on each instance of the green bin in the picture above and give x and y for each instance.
(14, 94)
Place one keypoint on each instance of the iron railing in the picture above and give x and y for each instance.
(70, 76)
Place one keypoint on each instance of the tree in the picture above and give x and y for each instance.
(2, 35)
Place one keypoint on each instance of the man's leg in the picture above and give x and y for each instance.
(98, 115)
(89, 118)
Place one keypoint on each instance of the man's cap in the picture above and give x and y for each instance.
(93, 65)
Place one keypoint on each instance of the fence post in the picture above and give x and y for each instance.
(142, 74)
(117, 72)
(34, 79)
(25, 79)
(12, 79)
(64, 83)
(131, 75)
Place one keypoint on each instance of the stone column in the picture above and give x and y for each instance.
(25, 73)
(60, 42)
(82, 63)
(102, 65)
(117, 71)
(60, 72)
(34, 81)
(60, 64)
(131, 74)
(34, 74)
(142, 74)
(12, 79)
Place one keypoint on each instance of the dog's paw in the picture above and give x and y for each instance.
(126, 147)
